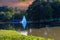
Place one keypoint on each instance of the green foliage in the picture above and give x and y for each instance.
(7, 11)
(57, 0)
(7, 14)
(10, 27)
(14, 35)
(42, 11)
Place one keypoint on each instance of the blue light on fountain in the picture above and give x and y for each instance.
(24, 22)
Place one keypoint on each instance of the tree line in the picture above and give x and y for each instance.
(9, 14)
(45, 12)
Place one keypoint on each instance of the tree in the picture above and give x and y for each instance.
(33, 13)
(39, 11)
(2, 17)
(5, 14)
(7, 11)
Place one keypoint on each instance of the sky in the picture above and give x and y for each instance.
(16, 3)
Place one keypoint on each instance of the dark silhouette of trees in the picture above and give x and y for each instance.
(43, 12)
(8, 14)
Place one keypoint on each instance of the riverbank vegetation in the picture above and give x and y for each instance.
(14, 35)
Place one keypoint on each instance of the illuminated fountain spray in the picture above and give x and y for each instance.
(24, 22)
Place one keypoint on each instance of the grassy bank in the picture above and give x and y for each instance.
(14, 35)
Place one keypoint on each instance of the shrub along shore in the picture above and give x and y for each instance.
(14, 35)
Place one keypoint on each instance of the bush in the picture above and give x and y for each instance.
(14, 35)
